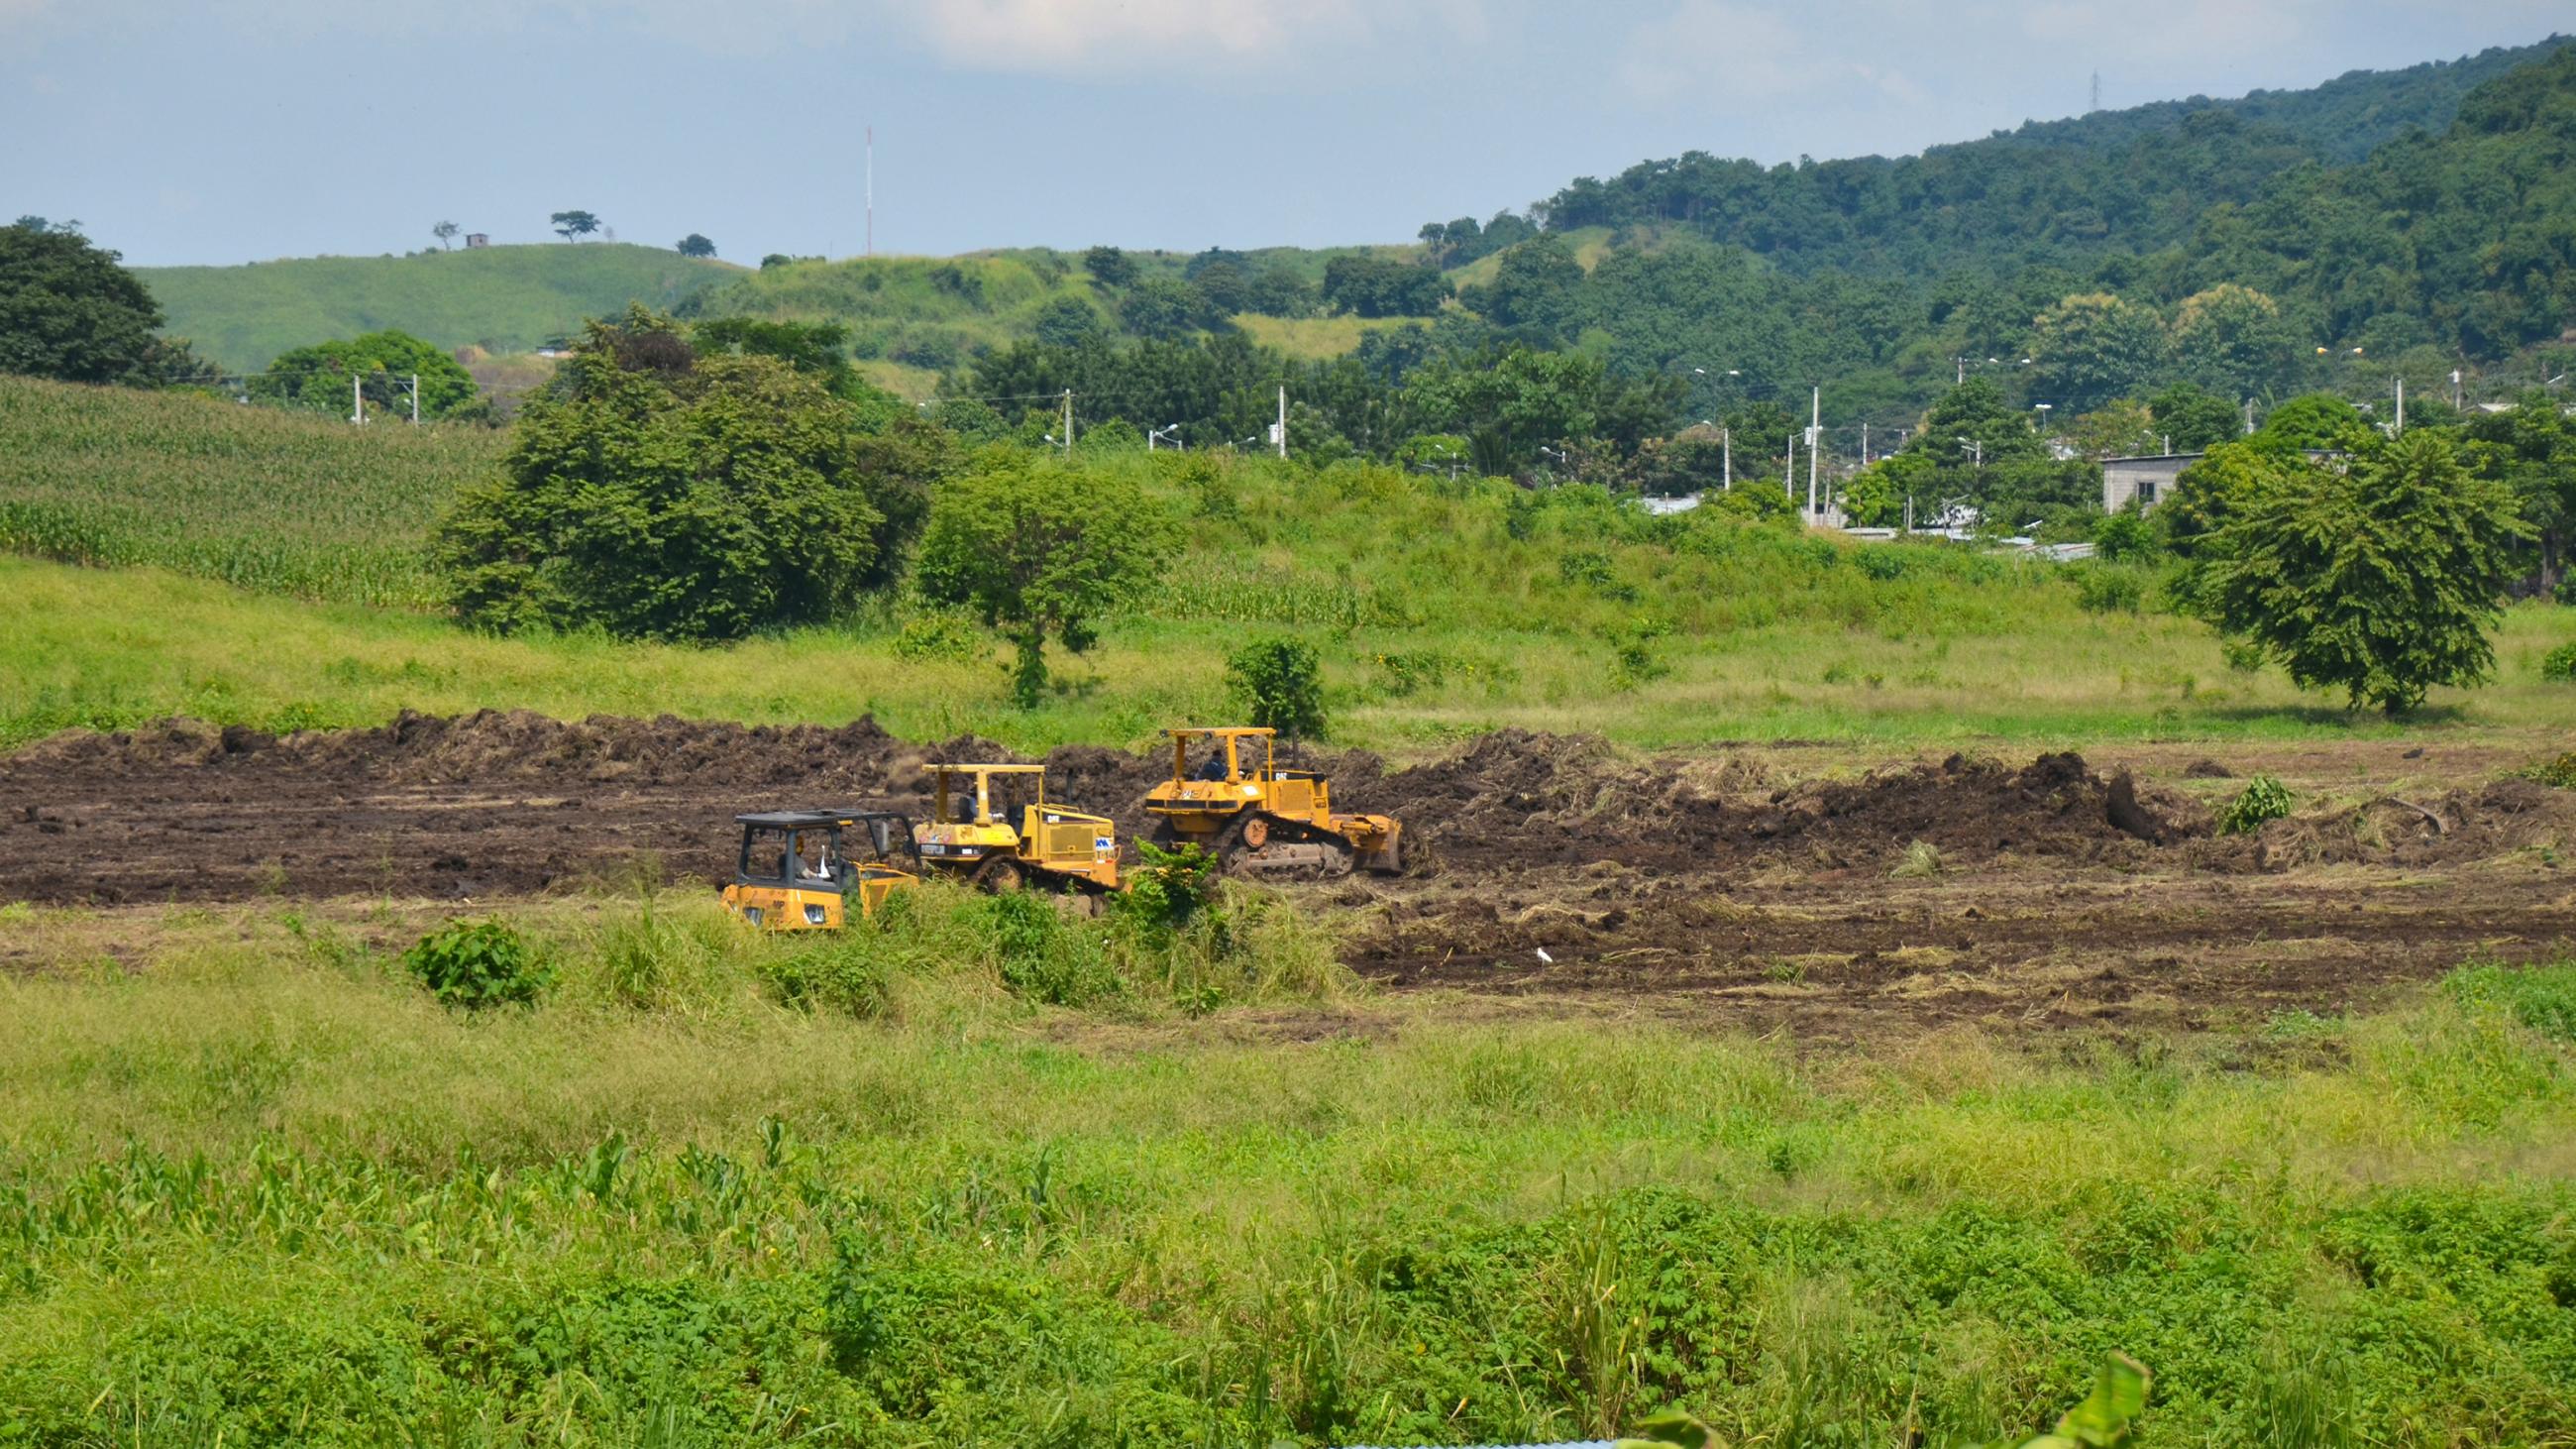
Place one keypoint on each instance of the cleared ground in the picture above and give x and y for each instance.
(1767, 886)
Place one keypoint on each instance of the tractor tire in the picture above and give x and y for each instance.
(1000, 876)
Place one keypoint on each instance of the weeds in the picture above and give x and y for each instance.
(478, 964)
(1922, 861)
(2263, 798)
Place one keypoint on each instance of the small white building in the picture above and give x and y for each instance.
(2147, 479)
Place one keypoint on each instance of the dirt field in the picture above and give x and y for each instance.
(1758, 886)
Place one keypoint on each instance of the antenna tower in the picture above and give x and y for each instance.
(2097, 90)
(872, 182)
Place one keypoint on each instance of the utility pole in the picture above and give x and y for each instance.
(1815, 446)
(1864, 445)
(357, 402)
(1789, 472)
(2249, 417)
(2401, 404)
(1726, 439)
(1283, 420)
(1068, 422)
(415, 399)
(2455, 389)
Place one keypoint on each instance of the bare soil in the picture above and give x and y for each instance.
(1758, 886)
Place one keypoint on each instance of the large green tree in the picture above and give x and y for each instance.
(2092, 348)
(657, 495)
(69, 310)
(2530, 448)
(2379, 574)
(317, 377)
(1041, 551)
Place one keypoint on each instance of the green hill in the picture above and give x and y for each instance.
(504, 299)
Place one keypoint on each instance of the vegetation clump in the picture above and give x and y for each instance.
(1280, 684)
(658, 495)
(478, 964)
(2263, 798)
(2560, 664)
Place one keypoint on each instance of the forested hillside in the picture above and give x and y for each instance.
(2131, 180)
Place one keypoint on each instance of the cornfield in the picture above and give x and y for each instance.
(271, 501)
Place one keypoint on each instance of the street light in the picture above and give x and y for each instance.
(2043, 410)
(1172, 432)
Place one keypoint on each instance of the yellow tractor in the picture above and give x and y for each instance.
(803, 870)
(1050, 847)
(1255, 817)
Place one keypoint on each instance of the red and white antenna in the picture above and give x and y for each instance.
(872, 191)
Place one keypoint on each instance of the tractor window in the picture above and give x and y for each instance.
(816, 860)
(1212, 768)
(766, 851)
(881, 831)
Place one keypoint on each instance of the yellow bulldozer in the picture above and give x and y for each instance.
(1257, 818)
(1047, 847)
(805, 870)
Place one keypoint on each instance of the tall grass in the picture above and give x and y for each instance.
(265, 1187)
(259, 499)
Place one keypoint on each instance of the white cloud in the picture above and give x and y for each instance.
(1060, 37)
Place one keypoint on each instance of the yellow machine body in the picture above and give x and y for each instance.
(792, 873)
(1247, 810)
(1047, 844)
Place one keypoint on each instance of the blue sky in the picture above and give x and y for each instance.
(234, 130)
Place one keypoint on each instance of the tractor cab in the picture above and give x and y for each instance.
(801, 870)
(975, 830)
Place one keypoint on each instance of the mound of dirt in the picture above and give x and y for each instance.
(1514, 797)
(2495, 819)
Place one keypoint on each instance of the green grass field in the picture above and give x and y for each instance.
(503, 299)
(1439, 610)
(255, 1186)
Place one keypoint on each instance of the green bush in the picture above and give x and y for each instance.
(839, 971)
(2126, 538)
(1167, 887)
(2560, 664)
(1281, 685)
(474, 964)
(942, 638)
(2542, 998)
(2560, 772)
(1041, 954)
(2104, 590)
(2263, 798)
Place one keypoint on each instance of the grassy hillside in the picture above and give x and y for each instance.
(503, 299)
(911, 318)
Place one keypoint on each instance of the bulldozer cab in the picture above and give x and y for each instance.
(1239, 764)
(801, 869)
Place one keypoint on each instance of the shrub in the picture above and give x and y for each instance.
(2542, 998)
(475, 964)
(941, 638)
(2560, 664)
(1281, 685)
(1922, 862)
(838, 971)
(1039, 952)
(2560, 772)
(2126, 538)
(1168, 887)
(1634, 659)
(2108, 590)
(2263, 798)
